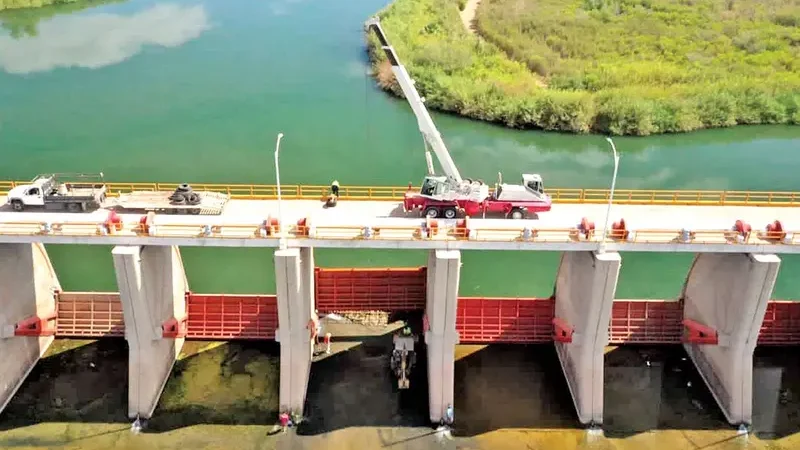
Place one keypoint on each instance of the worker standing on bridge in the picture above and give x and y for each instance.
(335, 188)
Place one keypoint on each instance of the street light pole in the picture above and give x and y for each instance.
(282, 240)
(602, 248)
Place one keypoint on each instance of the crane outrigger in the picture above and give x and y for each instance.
(446, 196)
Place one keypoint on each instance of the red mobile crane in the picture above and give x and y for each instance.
(447, 196)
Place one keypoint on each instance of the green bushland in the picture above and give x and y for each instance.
(25, 20)
(16, 4)
(633, 67)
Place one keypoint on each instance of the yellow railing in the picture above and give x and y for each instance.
(396, 193)
(419, 232)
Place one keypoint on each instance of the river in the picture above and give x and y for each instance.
(196, 91)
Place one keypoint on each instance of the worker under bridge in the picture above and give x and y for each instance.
(404, 356)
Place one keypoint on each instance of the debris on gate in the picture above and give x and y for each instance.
(366, 318)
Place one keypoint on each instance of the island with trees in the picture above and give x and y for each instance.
(623, 67)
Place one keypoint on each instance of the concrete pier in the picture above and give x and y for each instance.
(728, 293)
(584, 292)
(441, 337)
(152, 287)
(28, 285)
(294, 281)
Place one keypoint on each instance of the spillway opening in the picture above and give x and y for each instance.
(353, 385)
(75, 381)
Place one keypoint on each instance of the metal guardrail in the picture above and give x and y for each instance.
(396, 193)
(427, 231)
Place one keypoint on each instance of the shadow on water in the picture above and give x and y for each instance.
(646, 389)
(650, 388)
(211, 383)
(356, 388)
(496, 387)
(76, 381)
(510, 386)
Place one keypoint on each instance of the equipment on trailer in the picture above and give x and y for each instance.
(404, 357)
(450, 194)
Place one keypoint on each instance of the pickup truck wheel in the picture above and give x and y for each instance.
(517, 214)
(17, 205)
(432, 212)
(450, 213)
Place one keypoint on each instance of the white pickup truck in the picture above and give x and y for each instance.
(47, 192)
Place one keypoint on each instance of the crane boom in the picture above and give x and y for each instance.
(430, 133)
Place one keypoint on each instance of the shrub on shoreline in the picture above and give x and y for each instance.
(511, 78)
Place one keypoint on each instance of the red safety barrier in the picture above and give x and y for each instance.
(220, 316)
(479, 320)
(645, 322)
(89, 314)
(371, 289)
(781, 324)
(504, 320)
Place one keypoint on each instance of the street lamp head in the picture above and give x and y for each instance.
(280, 135)
(609, 140)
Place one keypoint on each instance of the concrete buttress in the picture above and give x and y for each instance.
(28, 285)
(729, 293)
(584, 292)
(441, 337)
(152, 287)
(294, 282)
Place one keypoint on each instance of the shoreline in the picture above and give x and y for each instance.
(469, 75)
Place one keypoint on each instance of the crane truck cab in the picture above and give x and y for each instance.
(531, 190)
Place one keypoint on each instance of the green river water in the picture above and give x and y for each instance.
(196, 91)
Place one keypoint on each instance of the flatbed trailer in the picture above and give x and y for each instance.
(211, 203)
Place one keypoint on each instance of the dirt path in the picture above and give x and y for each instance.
(468, 15)
(468, 19)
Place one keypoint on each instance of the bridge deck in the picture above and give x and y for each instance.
(654, 227)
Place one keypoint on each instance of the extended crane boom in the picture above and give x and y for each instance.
(430, 133)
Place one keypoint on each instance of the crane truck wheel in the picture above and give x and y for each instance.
(517, 213)
(432, 212)
(450, 213)
(17, 205)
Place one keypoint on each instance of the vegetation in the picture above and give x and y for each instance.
(613, 66)
(23, 22)
(16, 4)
